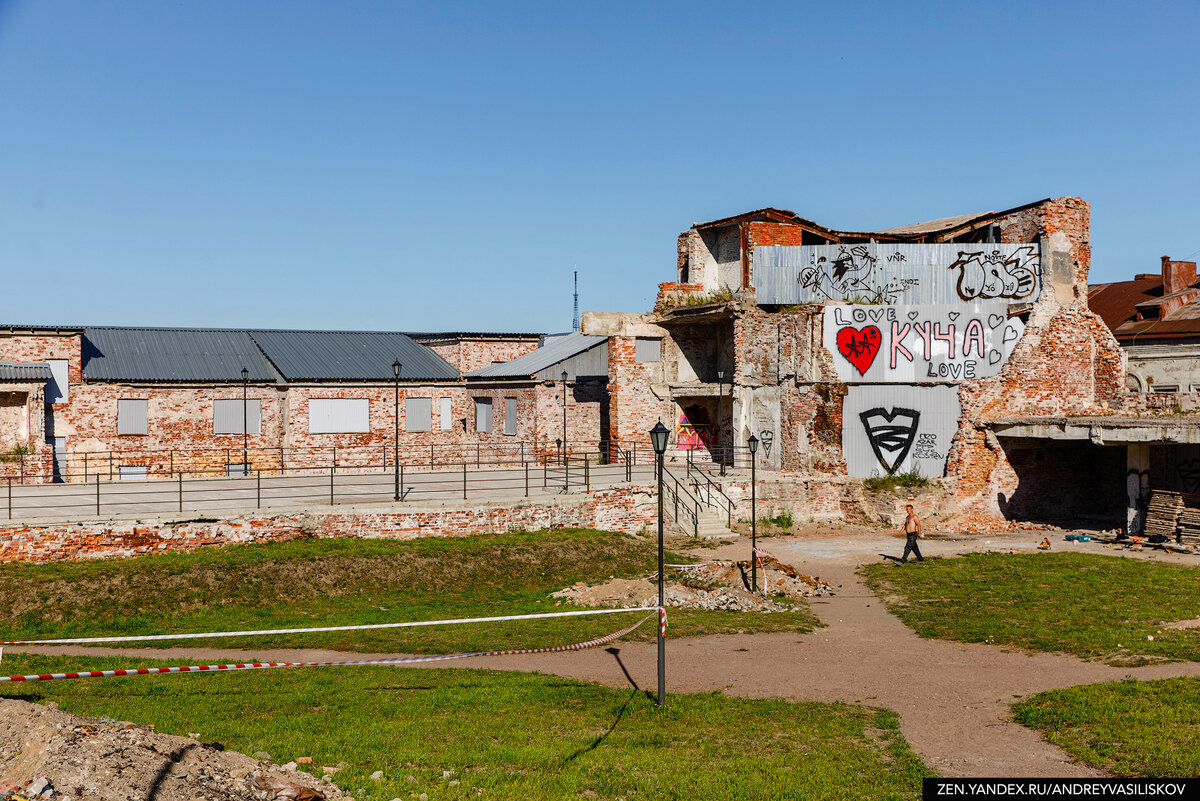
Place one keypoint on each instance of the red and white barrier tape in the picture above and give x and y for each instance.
(362, 627)
(662, 621)
(404, 660)
(761, 552)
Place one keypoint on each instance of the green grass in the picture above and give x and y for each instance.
(909, 479)
(1089, 605)
(584, 739)
(1126, 728)
(312, 582)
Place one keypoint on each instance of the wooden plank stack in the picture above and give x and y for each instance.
(1189, 519)
(1164, 512)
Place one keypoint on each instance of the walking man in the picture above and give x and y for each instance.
(912, 530)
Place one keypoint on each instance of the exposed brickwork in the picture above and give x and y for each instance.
(467, 354)
(624, 509)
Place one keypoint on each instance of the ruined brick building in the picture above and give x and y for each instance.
(861, 353)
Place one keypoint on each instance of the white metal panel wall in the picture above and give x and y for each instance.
(339, 416)
(648, 349)
(418, 414)
(58, 388)
(447, 415)
(897, 273)
(227, 416)
(890, 429)
(131, 416)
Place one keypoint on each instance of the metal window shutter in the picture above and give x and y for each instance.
(483, 415)
(648, 349)
(133, 472)
(339, 416)
(227, 416)
(131, 416)
(447, 415)
(418, 414)
(58, 389)
(510, 417)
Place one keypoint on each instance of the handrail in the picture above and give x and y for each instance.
(709, 487)
(677, 491)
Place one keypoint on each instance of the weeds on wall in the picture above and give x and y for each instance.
(16, 453)
(910, 479)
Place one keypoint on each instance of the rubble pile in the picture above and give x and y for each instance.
(48, 754)
(717, 585)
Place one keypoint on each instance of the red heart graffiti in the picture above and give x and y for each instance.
(859, 346)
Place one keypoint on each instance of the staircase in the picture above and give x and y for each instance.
(696, 506)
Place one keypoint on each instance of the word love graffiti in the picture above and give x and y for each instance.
(932, 343)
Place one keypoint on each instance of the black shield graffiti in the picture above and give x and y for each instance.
(891, 434)
(1189, 475)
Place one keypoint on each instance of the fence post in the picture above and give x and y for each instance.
(334, 468)
(477, 454)
(523, 462)
(464, 481)
(431, 457)
(97, 496)
(85, 470)
(181, 492)
(10, 497)
(172, 462)
(587, 481)
(522, 451)
(544, 471)
(401, 482)
(258, 488)
(22, 469)
(282, 463)
(566, 472)
(331, 469)
(110, 457)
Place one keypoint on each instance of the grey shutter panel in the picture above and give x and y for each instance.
(227, 416)
(648, 349)
(447, 415)
(134, 472)
(339, 416)
(131, 416)
(418, 414)
(510, 417)
(483, 415)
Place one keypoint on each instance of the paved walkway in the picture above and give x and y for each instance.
(953, 698)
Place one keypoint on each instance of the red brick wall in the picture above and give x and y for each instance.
(586, 402)
(625, 509)
(634, 408)
(472, 354)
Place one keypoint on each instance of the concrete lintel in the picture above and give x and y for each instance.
(1103, 435)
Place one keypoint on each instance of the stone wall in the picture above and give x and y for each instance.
(626, 509)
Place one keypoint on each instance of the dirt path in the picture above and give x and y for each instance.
(953, 698)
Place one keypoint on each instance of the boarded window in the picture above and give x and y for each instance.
(447, 421)
(339, 416)
(1164, 388)
(131, 416)
(510, 417)
(483, 415)
(132, 472)
(418, 414)
(648, 349)
(58, 390)
(227, 416)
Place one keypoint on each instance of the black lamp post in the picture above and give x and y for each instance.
(245, 429)
(720, 409)
(396, 435)
(658, 438)
(564, 380)
(753, 443)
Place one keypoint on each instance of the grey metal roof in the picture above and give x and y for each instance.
(351, 356)
(419, 335)
(556, 349)
(33, 372)
(172, 354)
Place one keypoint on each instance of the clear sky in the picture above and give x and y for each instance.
(443, 165)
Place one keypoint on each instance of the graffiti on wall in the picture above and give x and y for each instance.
(889, 430)
(892, 273)
(920, 344)
(767, 438)
(693, 430)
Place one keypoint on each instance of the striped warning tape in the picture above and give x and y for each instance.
(761, 552)
(403, 660)
(361, 627)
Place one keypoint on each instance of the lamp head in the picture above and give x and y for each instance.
(753, 443)
(720, 375)
(658, 438)
(396, 368)
(245, 373)
(564, 376)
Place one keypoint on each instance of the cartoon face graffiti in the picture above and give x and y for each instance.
(991, 274)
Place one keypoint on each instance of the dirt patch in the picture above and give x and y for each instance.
(711, 585)
(47, 753)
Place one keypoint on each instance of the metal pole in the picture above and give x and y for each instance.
(10, 497)
(464, 481)
(97, 496)
(401, 481)
(85, 470)
(587, 481)
(753, 523)
(258, 488)
(662, 644)
(720, 409)
(396, 446)
(181, 492)
(331, 469)
(544, 475)
(526, 485)
(245, 427)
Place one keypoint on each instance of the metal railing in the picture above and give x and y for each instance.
(684, 508)
(710, 492)
(218, 492)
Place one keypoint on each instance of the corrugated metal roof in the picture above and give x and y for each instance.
(350, 356)
(555, 350)
(420, 335)
(34, 372)
(172, 354)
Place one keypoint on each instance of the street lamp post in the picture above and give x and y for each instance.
(566, 487)
(720, 409)
(658, 438)
(396, 435)
(245, 429)
(753, 443)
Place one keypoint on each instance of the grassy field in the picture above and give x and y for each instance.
(586, 740)
(1126, 728)
(312, 582)
(1090, 605)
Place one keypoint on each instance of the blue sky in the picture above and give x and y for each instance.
(441, 165)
